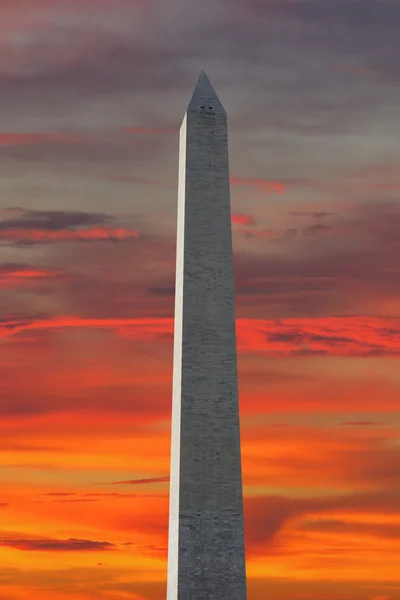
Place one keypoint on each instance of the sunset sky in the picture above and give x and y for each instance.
(92, 94)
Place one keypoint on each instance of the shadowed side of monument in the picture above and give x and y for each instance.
(206, 557)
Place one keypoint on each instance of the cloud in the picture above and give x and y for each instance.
(78, 33)
(355, 69)
(266, 516)
(140, 328)
(142, 481)
(105, 151)
(27, 139)
(322, 461)
(261, 186)
(361, 423)
(51, 220)
(111, 55)
(93, 234)
(337, 12)
(162, 291)
(96, 65)
(51, 545)
(334, 336)
(242, 219)
(316, 229)
(121, 496)
(57, 494)
(315, 214)
(357, 256)
(385, 186)
(14, 274)
(300, 277)
(338, 526)
(253, 232)
(75, 500)
(43, 227)
(148, 131)
(136, 180)
(323, 21)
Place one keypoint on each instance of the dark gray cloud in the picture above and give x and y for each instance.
(58, 494)
(266, 516)
(52, 220)
(315, 215)
(142, 481)
(49, 545)
(276, 39)
(360, 250)
(316, 229)
(361, 423)
(162, 291)
(338, 526)
(32, 227)
(353, 27)
(357, 14)
(75, 501)
(318, 276)
(109, 150)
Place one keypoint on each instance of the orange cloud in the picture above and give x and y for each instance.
(320, 458)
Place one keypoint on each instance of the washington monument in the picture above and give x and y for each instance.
(206, 555)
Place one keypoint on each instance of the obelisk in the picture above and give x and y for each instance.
(206, 555)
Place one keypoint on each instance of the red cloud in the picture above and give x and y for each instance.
(42, 236)
(335, 336)
(14, 275)
(25, 274)
(241, 219)
(264, 186)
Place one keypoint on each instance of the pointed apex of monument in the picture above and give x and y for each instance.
(203, 79)
(205, 97)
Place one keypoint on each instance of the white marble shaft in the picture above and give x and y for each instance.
(206, 556)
